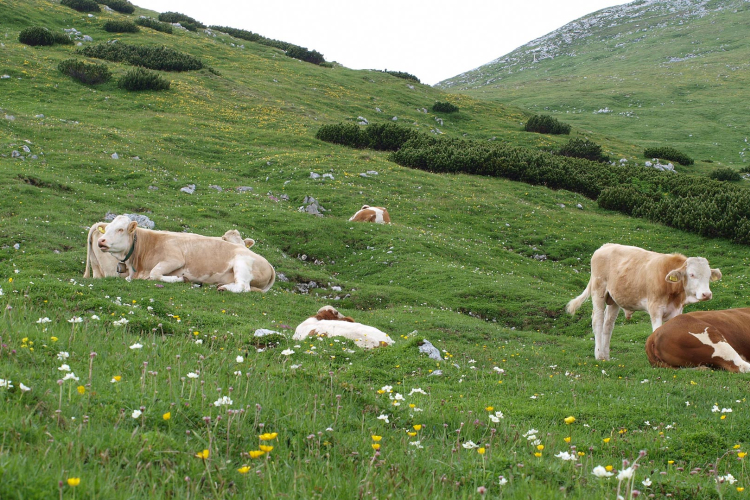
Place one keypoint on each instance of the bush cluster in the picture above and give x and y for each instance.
(583, 148)
(381, 137)
(152, 23)
(122, 6)
(671, 154)
(88, 73)
(82, 5)
(115, 26)
(444, 107)
(36, 36)
(725, 174)
(690, 203)
(142, 79)
(185, 21)
(295, 51)
(161, 58)
(545, 124)
(403, 75)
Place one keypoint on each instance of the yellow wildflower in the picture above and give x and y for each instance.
(256, 453)
(417, 427)
(481, 451)
(375, 446)
(376, 438)
(567, 439)
(74, 481)
(244, 469)
(167, 415)
(265, 448)
(268, 436)
(81, 389)
(569, 420)
(202, 454)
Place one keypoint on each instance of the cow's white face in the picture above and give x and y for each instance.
(695, 276)
(118, 235)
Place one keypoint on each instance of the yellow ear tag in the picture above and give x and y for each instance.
(673, 278)
(101, 229)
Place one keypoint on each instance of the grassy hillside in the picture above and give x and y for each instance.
(652, 73)
(456, 267)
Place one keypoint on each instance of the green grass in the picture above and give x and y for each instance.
(456, 267)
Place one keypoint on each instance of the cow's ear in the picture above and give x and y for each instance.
(131, 227)
(675, 275)
(715, 275)
(101, 229)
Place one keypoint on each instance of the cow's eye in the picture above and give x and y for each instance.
(692, 275)
(119, 230)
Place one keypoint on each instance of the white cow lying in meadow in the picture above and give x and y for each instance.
(328, 322)
(171, 257)
(379, 215)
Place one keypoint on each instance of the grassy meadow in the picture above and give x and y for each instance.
(120, 390)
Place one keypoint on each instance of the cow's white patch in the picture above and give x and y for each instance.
(723, 350)
(378, 215)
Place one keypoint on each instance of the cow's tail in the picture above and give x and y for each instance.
(88, 253)
(574, 304)
(273, 280)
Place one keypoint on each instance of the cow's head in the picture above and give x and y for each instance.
(118, 236)
(695, 276)
(330, 313)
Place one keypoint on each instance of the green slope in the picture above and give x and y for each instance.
(457, 267)
(657, 73)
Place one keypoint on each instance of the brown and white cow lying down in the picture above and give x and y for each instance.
(719, 339)
(328, 322)
(104, 265)
(172, 257)
(640, 280)
(371, 214)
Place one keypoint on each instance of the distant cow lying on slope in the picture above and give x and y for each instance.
(104, 265)
(371, 214)
(639, 280)
(719, 339)
(328, 322)
(172, 257)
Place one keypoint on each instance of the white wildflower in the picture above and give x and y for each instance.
(62, 355)
(136, 346)
(136, 413)
(192, 375)
(287, 352)
(470, 445)
(44, 320)
(384, 418)
(239, 359)
(502, 481)
(120, 322)
(417, 390)
(223, 401)
(625, 474)
(564, 455)
(23, 387)
(75, 319)
(600, 471)
(70, 376)
(64, 368)
(646, 482)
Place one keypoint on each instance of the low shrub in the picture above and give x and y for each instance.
(122, 6)
(665, 153)
(583, 148)
(62, 38)
(444, 107)
(141, 79)
(303, 54)
(82, 5)
(159, 58)
(36, 36)
(725, 174)
(403, 75)
(116, 26)
(184, 20)
(291, 50)
(745, 170)
(149, 22)
(545, 124)
(88, 73)
(381, 137)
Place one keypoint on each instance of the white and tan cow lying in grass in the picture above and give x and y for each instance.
(328, 322)
(171, 257)
(635, 279)
(379, 215)
(719, 339)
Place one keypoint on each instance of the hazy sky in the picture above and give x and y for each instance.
(432, 40)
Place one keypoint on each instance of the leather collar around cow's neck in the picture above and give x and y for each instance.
(130, 253)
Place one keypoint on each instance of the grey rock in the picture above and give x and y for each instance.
(15, 154)
(328, 176)
(561, 205)
(142, 220)
(540, 257)
(190, 189)
(284, 197)
(579, 206)
(395, 118)
(244, 189)
(153, 188)
(311, 206)
(282, 277)
(372, 172)
(4, 77)
(430, 350)
(214, 186)
(262, 332)
(376, 109)
(39, 116)
(363, 175)
(115, 156)
(436, 373)
(313, 175)
(10, 117)
(362, 120)
(87, 38)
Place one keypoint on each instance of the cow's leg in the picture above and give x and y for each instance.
(243, 275)
(610, 315)
(657, 316)
(163, 268)
(597, 320)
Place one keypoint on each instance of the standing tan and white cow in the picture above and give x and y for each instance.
(171, 257)
(367, 213)
(719, 339)
(635, 279)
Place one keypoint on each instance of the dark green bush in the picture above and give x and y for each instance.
(152, 23)
(444, 107)
(141, 79)
(185, 21)
(116, 26)
(381, 137)
(62, 38)
(583, 148)
(403, 75)
(82, 5)
(36, 36)
(745, 170)
(88, 73)
(545, 124)
(161, 58)
(666, 153)
(725, 174)
(122, 6)
(301, 53)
